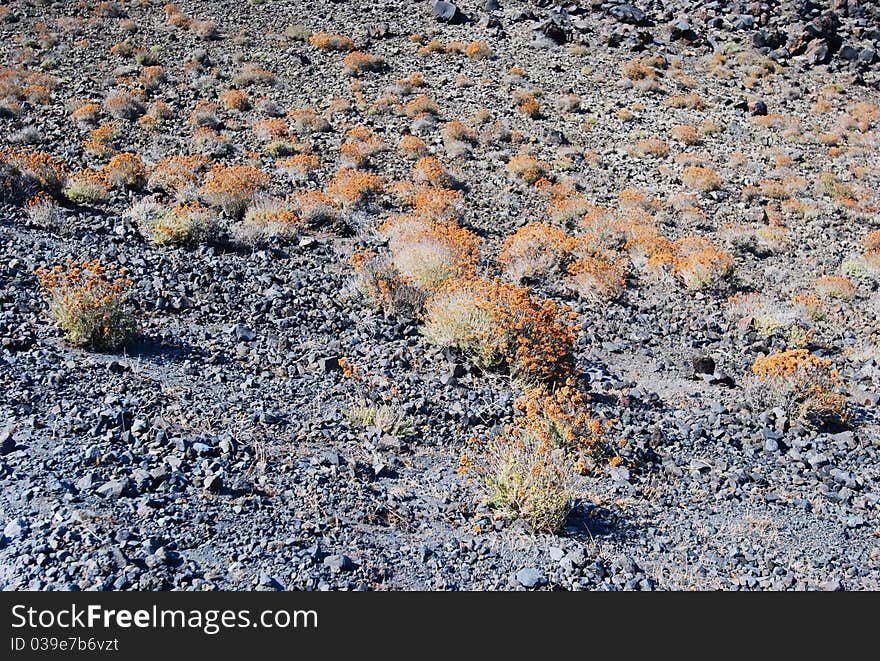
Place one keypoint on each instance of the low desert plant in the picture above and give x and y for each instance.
(124, 106)
(801, 383)
(527, 168)
(380, 283)
(306, 121)
(206, 30)
(388, 419)
(686, 134)
(234, 99)
(317, 209)
(233, 187)
(44, 212)
(835, 286)
(500, 326)
(701, 178)
(178, 175)
(326, 41)
(429, 252)
(267, 218)
(353, 188)
(87, 187)
(358, 62)
(126, 171)
(528, 469)
(421, 105)
(650, 147)
(88, 301)
(299, 168)
(182, 224)
(204, 115)
(430, 170)
(536, 250)
(87, 113)
(597, 277)
(412, 146)
(30, 172)
(478, 50)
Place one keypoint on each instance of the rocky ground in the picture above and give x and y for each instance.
(219, 450)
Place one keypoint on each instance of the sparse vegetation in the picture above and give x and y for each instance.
(88, 301)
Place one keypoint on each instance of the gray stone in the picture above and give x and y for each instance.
(16, 528)
(112, 489)
(339, 562)
(244, 334)
(530, 577)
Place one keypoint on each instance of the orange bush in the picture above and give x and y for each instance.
(232, 187)
(536, 250)
(527, 167)
(801, 383)
(353, 188)
(234, 99)
(430, 252)
(500, 326)
(326, 41)
(176, 174)
(126, 170)
(88, 302)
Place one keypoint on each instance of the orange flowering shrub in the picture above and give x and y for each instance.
(871, 244)
(182, 224)
(527, 470)
(836, 286)
(87, 113)
(358, 62)
(651, 147)
(430, 252)
(42, 210)
(326, 41)
(597, 277)
(316, 208)
(380, 283)
(801, 383)
(420, 105)
(352, 188)
(527, 167)
(265, 219)
(87, 187)
(530, 107)
(37, 170)
(501, 327)
(234, 99)
(362, 144)
(124, 106)
(694, 261)
(428, 201)
(178, 174)
(232, 187)
(412, 147)
(478, 50)
(126, 170)
(151, 78)
(307, 120)
(99, 141)
(430, 170)
(536, 250)
(701, 178)
(299, 168)
(267, 130)
(87, 301)
(687, 134)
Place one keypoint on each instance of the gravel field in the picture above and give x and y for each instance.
(269, 426)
